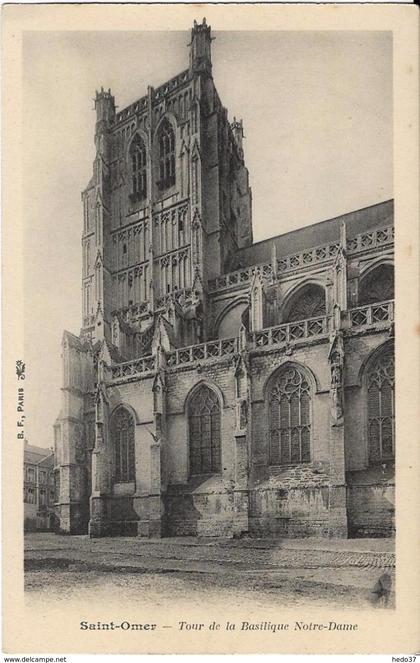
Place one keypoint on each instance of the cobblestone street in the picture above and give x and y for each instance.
(255, 571)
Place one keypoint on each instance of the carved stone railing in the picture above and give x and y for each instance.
(286, 264)
(238, 278)
(371, 239)
(290, 332)
(309, 257)
(180, 296)
(134, 368)
(202, 352)
(137, 107)
(134, 311)
(171, 85)
(313, 256)
(374, 314)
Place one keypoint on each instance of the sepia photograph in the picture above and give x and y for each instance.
(206, 390)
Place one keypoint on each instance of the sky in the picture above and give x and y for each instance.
(317, 114)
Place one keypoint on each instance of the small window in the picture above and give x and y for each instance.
(30, 496)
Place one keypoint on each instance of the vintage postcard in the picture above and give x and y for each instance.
(211, 324)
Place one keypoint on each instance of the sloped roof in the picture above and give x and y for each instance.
(36, 455)
(317, 234)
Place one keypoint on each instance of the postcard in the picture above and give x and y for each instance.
(211, 325)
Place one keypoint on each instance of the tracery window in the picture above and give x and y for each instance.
(309, 302)
(123, 438)
(381, 398)
(138, 168)
(204, 432)
(166, 142)
(290, 418)
(377, 285)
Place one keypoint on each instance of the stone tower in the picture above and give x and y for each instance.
(167, 207)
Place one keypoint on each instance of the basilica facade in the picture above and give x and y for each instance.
(220, 387)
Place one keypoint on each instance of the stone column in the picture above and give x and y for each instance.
(99, 524)
(240, 523)
(337, 487)
(257, 302)
(158, 478)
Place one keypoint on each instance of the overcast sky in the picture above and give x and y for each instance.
(317, 112)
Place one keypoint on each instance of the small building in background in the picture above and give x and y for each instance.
(38, 488)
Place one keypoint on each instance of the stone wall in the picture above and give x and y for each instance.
(371, 503)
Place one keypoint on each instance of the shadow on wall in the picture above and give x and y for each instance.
(182, 514)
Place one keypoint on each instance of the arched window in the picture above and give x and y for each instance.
(377, 285)
(380, 406)
(122, 431)
(290, 418)
(166, 142)
(308, 302)
(231, 322)
(204, 432)
(138, 169)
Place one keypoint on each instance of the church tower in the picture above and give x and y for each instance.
(167, 207)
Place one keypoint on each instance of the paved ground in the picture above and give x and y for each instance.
(258, 571)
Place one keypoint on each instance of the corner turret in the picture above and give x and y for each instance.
(105, 112)
(200, 48)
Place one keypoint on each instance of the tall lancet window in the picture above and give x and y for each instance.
(380, 406)
(289, 402)
(122, 431)
(204, 427)
(166, 142)
(138, 169)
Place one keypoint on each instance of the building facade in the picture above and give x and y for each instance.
(38, 488)
(217, 386)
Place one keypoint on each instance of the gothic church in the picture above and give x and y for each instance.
(220, 387)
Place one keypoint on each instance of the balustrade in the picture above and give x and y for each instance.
(309, 257)
(133, 368)
(371, 239)
(134, 311)
(316, 255)
(209, 350)
(362, 316)
(180, 295)
(290, 332)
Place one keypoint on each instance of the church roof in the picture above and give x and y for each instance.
(36, 455)
(317, 234)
